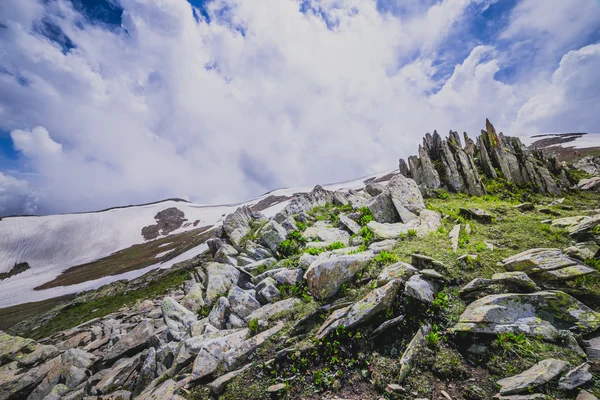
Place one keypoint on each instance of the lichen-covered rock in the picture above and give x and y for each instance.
(592, 184)
(383, 231)
(219, 314)
(148, 371)
(267, 292)
(429, 221)
(177, 318)
(119, 374)
(540, 314)
(583, 229)
(326, 276)
(13, 348)
(399, 270)
(539, 374)
(219, 279)
(271, 235)
(453, 236)
(583, 250)
(242, 303)
(568, 222)
(516, 279)
(576, 377)
(237, 224)
(361, 311)
(476, 214)
(194, 299)
(270, 310)
(406, 197)
(289, 276)
(133, 341)
(551, 264)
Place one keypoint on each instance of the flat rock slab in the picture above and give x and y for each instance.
(476, 214)
(538, 260)
(534, 314)
(540, 373)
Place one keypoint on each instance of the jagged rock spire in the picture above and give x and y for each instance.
(445, 163)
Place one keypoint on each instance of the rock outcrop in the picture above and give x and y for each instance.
(447, 164)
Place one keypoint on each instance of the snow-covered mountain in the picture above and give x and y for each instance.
(52, 244)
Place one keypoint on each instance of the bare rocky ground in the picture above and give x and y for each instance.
(488, 286)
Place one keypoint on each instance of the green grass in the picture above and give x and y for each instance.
(79, 313)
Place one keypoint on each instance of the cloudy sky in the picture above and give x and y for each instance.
(112, 102)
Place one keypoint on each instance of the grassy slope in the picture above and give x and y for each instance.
(355, 367)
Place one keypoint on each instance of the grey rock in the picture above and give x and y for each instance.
(237, 224)
(257, 264)
(399, 270)
(219, 314)
(406, 197)
(239, 354)
(218, 385)
(385, 231)
(133, 341)
(583, 229)
(361, 311)
(583, 250)
(420, 289)
(194, 299)
(241, 302)
(454, 235)
(325, 276)
(75, 376)
(592, 348)
(289, 276)
(585, 395)
(534, 314)
(177, 318)
(121, 373)
(219, 279)
(351, 225)
(383, 208)
(325, 235)
(386, 325)
(374, 188)
(148, 371)
(539, 374)
(477, 215)
(271, 235)
(576, 377)
(271, 310)
(268, 293)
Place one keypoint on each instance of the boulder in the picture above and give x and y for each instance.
(194, 299)
(551, 264)
(361, 311)
(219, 279)
(383, 209)
(148, 371)
(583, 250)
(325, 235)
(540, 314)
(399, 270)
(267, 292)
(237, 355)
(568, 222)
(454, 235)
(237, 224)
(219, 314)
(374, 188)
(515, 279)
(257, 264)
(406, 197)
(132, 342)
(242, 303)
(429, 221)
(269, 310)
(218, 385)
(289, 276)
(583, 229)
(271, 235)
(539, 374)
(13, 348)
(177, 318)
(384, 231)
(420, 289)
(119, 375)
(326, 276)
(592, 184)
(349, 224)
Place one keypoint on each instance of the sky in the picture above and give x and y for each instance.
(117, 102)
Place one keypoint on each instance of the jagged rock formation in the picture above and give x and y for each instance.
(445, 163)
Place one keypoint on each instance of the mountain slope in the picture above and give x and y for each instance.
(53, 244)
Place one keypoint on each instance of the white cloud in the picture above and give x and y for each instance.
(131, 117)
(35, 143)
(15, 196)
